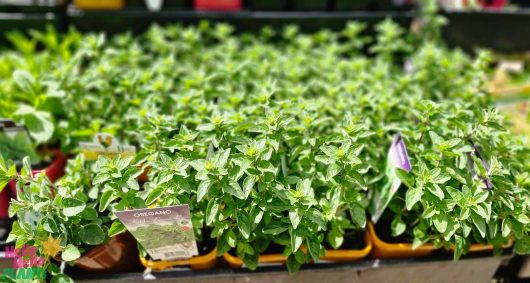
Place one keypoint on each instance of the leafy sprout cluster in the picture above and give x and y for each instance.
(274, 138)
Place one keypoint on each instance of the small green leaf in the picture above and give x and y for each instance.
(234, 189)
(296, 239)
(248, 184)
(211, 211)
(335, 238)
(429, 212)
(116, 228)
(479, 223)
(436, 190)
(358, 215)
(203, 188)
(154, 195)
(106, 198)
(70, 253)
(295, 218)
(405, 177)
(243, 224)
(61, 278)
(413, 196)
(73, 207)
(274, 229)
(440, 222)
(398, 226)
(92, 234)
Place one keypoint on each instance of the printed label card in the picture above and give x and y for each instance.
(106, 145)
(166, 233)
(397, 158)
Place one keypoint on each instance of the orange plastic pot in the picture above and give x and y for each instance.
(385, 250)
(99, 4)
(349, 255)
(207, 261)
(237, 262)
(477, 248)
(118, 254)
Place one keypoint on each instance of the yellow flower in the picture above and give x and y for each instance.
(52, 246)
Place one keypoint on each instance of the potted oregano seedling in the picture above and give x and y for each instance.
(65, 216)
(461, 165)
(168, 150)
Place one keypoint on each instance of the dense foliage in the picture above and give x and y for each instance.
(275, 138)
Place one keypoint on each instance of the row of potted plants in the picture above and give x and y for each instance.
(276, 142)
(79, 207)
(235, 5)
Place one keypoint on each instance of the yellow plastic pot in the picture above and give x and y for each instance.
(206, 261)
(237, 262)
(386, 250)
(99, 4)
(349, 255)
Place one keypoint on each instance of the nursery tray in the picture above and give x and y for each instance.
(471, 268)
(138, 20)
(504, 31)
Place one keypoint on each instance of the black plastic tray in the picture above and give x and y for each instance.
(471, 268)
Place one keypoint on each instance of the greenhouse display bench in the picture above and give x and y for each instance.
(476, 268)
(139, 20)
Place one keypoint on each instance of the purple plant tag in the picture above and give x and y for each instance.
(398, 153)
(408, 67)
(382, 195)
(487, 181)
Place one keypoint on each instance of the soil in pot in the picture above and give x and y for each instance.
(353, 240)
(384, 231)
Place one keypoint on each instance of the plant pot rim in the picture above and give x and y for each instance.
(92, 252)
(117, 254)
(208, 260)
(382, 249)
(237, 262)
(474, 248)
(349, 254)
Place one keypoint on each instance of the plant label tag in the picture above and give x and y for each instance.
(10, 128)
(106, 145)
(511, 66)
(397, 158)
(166, 233)
(486, 180)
